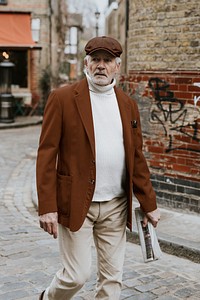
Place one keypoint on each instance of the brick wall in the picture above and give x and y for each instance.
(164, 35)
(170, 121)
(115, 26)
(164, 78)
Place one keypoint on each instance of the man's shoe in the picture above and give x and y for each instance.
(41, 296)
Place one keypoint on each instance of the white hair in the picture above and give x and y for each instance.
(118, 60)
(86, 58)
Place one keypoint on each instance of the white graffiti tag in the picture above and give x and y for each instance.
(196, 99)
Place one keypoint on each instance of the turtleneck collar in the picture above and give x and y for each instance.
(100, 89)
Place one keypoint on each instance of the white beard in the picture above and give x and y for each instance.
(100, 80)
(106, 88)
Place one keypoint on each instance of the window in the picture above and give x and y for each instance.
(35, 27)
(3, 2)
(71, 41)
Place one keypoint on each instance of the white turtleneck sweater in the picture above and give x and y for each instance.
(109, 145)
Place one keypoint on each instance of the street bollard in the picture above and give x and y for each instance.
(6, 98)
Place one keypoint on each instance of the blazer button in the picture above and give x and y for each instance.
(92, 181)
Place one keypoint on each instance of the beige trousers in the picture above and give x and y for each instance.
(106, 224)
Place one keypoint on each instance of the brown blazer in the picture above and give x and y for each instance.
(66, 156)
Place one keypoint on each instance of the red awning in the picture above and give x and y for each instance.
(15, 30)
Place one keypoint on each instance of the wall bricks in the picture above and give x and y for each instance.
(164, 35)
(163, 77)
(177, 193)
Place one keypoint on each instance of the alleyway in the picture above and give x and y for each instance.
(29, 257)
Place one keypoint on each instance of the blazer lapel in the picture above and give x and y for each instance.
(82, 99)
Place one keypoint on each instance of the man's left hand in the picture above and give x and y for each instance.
(153, 217)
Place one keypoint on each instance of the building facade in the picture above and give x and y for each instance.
(163, 75)
(35, 40)
(116, 25)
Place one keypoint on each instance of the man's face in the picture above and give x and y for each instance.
(102, 67)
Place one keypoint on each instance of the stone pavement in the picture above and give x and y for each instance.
(21, 121)
(29, 257)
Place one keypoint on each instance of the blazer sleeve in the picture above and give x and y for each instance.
(47, 155)
(142, 186)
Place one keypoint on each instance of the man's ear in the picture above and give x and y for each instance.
(86, 62)
(118, 67)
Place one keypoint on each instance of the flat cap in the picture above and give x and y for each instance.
(106, 43)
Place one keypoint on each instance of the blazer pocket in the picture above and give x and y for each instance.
(64, 193)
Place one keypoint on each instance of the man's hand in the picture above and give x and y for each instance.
(49, 222)
(153, 217)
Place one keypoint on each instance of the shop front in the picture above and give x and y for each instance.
(16, 47)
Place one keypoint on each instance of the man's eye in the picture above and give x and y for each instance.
(107, 60)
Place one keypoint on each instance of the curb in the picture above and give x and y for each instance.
(22, 122)
(178, 247)
(169, 247)
(167, 244)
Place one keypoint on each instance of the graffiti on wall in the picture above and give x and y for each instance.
(196, 99)
(179, 121)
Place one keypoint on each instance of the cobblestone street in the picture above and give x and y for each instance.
(29, 257)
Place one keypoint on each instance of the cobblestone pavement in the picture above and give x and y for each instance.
(29, 257)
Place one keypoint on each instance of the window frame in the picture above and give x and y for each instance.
(3, 2)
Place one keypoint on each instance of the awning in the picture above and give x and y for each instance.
(15, 31)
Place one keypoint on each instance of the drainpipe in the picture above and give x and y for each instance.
(126, 35)
(50, 32)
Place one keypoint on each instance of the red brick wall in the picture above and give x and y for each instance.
(163, 49)
(171, 123)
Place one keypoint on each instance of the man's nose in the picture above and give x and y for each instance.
(100, 67)
(101, 64)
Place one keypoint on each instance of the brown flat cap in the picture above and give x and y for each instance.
(104, 43)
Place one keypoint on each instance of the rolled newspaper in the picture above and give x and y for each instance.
(148, 238)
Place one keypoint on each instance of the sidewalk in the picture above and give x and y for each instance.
(29, 257)
(178, 231)
(22, 122)
(178, 234)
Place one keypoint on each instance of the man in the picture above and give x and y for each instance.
(89, 162)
